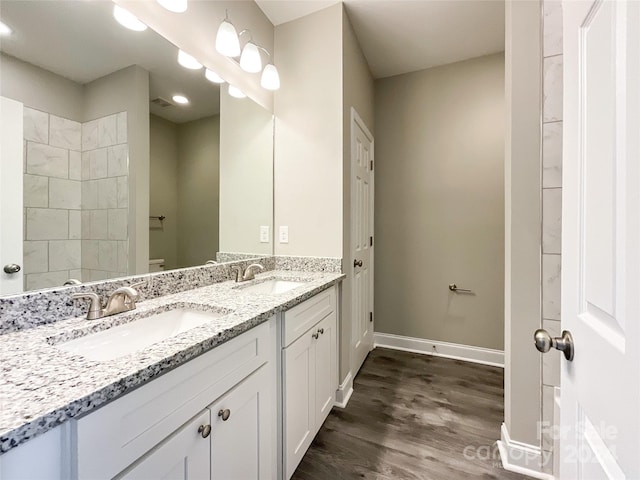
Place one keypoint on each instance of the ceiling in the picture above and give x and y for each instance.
(400, 36)
(81, 41)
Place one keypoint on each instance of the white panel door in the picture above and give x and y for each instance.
(361, 241)
(183, 456)
(600, 427)
(241, 426)
(11, 174)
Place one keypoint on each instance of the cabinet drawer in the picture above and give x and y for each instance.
(114, 436)
(302, 317)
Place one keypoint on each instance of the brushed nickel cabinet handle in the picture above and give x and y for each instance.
(224, 414)
(315, 335)
(321, 331)
(204, 430)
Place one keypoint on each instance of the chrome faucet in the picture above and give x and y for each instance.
(249, 273)
(121, 300)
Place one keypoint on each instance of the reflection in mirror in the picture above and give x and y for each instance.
(101, 149)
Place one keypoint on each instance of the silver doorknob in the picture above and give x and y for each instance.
(357, 263)
(11, 268)
(545, 342)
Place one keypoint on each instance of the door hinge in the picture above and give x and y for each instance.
(371, 316)
(371, 241)
(371, 165)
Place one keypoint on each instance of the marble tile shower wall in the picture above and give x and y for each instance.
(52, 199)
(105, 198)
(551, 208)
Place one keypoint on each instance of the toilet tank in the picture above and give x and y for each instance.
(156, 265)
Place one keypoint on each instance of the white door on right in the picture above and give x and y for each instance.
(361, 241)
(600, 410)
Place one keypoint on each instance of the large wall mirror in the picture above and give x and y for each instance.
(116, 175)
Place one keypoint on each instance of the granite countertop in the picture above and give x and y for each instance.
(42, 386)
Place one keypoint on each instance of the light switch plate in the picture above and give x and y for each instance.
(284, 234)
(264, 234)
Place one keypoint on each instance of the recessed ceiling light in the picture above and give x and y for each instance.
(5, 30)
(213, 76)
(236, 92)
(181, 99)
(175, 6)
(128, 20)
(187, 61)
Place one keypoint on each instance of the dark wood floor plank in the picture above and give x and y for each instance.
(410, 418)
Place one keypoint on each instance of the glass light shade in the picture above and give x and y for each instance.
(270, 78)
(236, 92)
(250, 60)
(213, 76)
(5, 30)
(227, 41)
(181, 99)
(175, 6)
(128, 20)
(187, 61)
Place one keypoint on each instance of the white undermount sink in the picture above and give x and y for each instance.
(138, 334)
(272, 286)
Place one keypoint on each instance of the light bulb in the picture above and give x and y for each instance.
(127, 19)
(187, 61)
(250, 60)
(236, 92)
(227, 41)
(270, 78)
(175, 6)
(213, 76)
(181, 99)
(5, 30)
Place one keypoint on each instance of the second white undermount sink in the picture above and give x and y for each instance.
(138, 334)
(272, 286)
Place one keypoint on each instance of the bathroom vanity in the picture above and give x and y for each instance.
(240, 396)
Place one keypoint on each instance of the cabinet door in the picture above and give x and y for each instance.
(326, 374)
(298, 399)
(241, 430)
(183, 456)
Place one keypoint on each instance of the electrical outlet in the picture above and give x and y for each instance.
(284, 234)
(264, 234)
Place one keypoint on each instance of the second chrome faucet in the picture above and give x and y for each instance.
(121, 300)
(249, 273)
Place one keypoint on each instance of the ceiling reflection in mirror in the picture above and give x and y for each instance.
(130, 162)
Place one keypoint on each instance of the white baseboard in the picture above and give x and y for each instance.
(468, 353)
(343, 394)
(521, 457)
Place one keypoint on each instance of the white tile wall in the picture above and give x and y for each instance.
(118, 219)
(551, 220)
(108, 193)
(552, 155)
(118, 158)
(47, 160)
(36, 191)
(99, 226)
(89, 135)
(551, 286)
(89, 255)
(47, 224)
(36, 257)
(64, 133)
(552, 30)
(64, 255)
(552, 85)
(121, 125)
(46, 280)
(107, 254)
(75, 224)
(65, 194)
(36, 125)
(75, 165)
(107, 131)
(551, 360)
(123, 192)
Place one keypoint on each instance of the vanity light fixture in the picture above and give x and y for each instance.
(127, 19)
(187, 61)
(227, 40)
(181, 99)
(270, 79)
(236, 92)
(250, 60)
(175, 6)
(213, 76)
(5, 30)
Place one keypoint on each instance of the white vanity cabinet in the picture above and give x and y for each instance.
(310, 376)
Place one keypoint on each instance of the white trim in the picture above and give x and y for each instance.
(344, 392)
(468, 353)
(520, 457)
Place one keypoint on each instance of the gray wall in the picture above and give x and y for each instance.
(522, 220)
(184, 187)
(198, 190)
(41, 89)
(440, 203)
(163, 191)
(357, 92)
